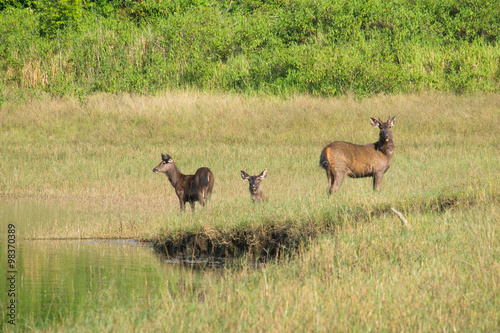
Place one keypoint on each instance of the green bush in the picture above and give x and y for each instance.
(17, 4)
(320, 47)
(57, 15)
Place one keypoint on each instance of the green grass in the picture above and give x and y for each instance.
(365, 277)
(346, 262)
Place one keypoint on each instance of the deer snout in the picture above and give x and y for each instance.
(154, 170)
(253, 187)
(385, 135)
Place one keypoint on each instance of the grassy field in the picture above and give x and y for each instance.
(346, 261)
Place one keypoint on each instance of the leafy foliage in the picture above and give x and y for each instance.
(278, 47)
(56, 15)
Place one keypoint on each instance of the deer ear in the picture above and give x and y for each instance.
(170, 160)
(374, 122)
(163, 157)
(263, 174)
(391, 120)
(244, 175)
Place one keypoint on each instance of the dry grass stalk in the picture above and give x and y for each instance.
(402, 218)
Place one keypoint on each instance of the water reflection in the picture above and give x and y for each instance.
(57, 279)
(197, 262)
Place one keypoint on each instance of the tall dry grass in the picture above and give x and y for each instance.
(359, 271)
(102, 152)
(443, 276)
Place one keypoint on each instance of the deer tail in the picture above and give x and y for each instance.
(323, 160)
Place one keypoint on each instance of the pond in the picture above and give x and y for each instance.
(52, 280)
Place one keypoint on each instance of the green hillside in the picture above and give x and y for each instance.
(318, 47)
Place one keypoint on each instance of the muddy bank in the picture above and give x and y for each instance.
(279, 239)
(268, 241)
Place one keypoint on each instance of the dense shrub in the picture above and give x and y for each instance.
(280, 47)
(57, 15)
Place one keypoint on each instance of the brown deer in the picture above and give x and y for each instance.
(189, 188)
(356, 161)
(255, 186)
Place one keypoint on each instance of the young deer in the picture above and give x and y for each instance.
(189, 188)
(356, 161)
(255, 186)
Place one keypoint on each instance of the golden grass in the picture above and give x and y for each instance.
(359, 271)
(101, 152)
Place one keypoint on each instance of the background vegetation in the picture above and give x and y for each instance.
(319, 47)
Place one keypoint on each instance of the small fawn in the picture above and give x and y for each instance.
(356, 161)
(255, 185)
(189, 188)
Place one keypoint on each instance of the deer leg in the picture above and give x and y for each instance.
(377, 180)
(331, 178)
(201, 197)
(192, 206)
(182, 203)
(338, 178)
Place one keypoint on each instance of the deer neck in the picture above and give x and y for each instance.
(173, 175)
(386, 146)
(256, 193)
(256, 196)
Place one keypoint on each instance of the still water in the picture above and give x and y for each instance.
(57, 279)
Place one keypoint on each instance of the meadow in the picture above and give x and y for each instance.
(343, 262)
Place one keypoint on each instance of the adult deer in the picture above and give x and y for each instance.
(189, 188)
(356, 161)
(255, 185)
